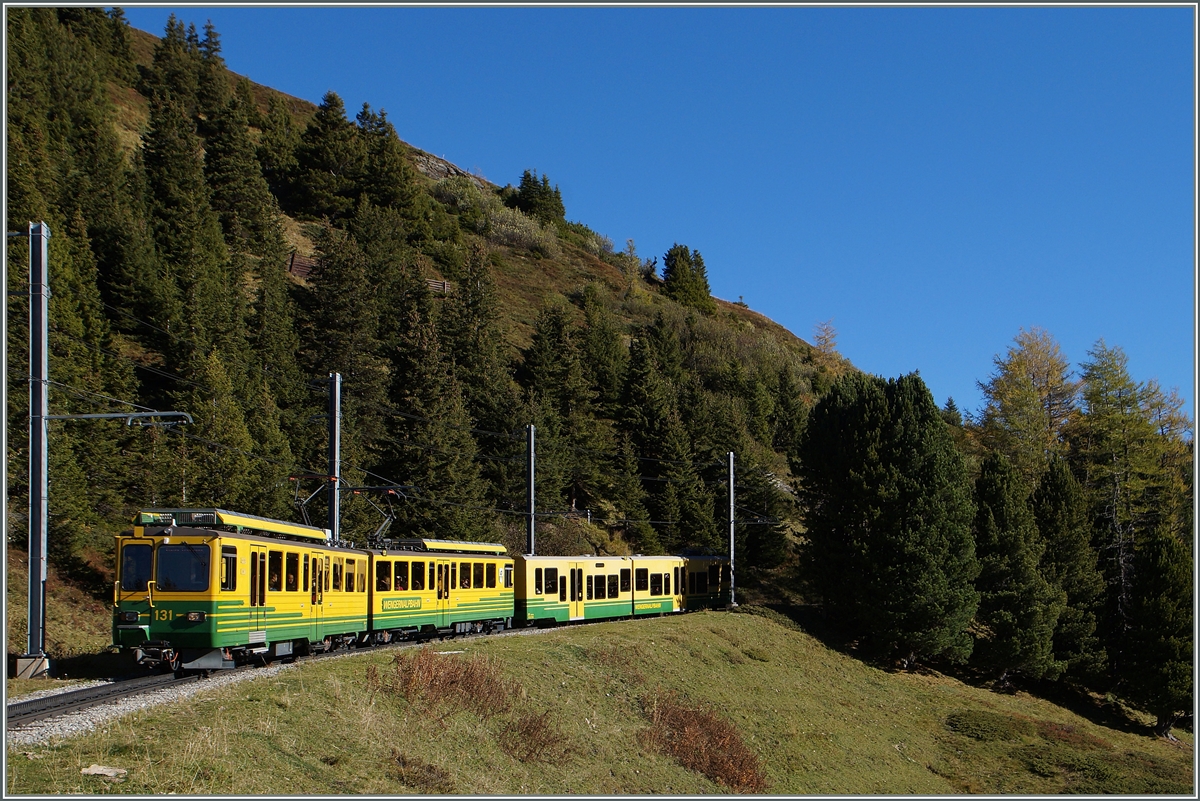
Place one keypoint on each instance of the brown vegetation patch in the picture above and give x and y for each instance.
(422, 676)
(621, 657)
(414, 772)
(533, 737)
(1070, 735)
(701, 741)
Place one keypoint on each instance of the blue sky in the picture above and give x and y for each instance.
(931, 179)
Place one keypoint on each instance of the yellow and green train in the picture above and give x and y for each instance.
(205, 589)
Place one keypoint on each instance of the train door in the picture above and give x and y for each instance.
(678, 577)
(575, 598)
(446, 579)
(258, 593)
(315, 572)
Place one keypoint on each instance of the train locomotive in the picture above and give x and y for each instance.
(208, 589)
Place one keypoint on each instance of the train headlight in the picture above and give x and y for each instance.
(196, 617)
(129, 617)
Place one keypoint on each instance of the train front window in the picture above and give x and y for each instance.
(183, 568)
(135, 567)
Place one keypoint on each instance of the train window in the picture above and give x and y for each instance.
(383, 576)
(551, 580)
(714, 576)
(135, 567)
(291, 573)
(464, 574)
(691, 583)
(362, 576)
(666, 583)
(678, 585)
(589, 588)
(453, 575)
(182, 568)
(306, 572)
(641, 579)
(337, 574)
(228, 567)
(508, 578)
(275, 570)
(562, 588)
(625, 580)
(537, 581)
(477, 576)
(491, 575)
(418, 576)
(349, 575)
(614, 584)
(432, 582)
(600, 586)
(326, 574)
(656, 584)
(401, 576)
(701, 583)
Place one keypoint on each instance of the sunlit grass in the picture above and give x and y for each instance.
(815, 720)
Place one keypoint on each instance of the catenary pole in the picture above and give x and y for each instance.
(531, 514)
(335, 455)
(732, 518)
(39, 479)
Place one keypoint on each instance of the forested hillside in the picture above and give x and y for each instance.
(220, 248)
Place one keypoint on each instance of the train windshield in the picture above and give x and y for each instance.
(135, 567)
(183, 568)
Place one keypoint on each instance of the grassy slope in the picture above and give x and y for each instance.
(819, 722)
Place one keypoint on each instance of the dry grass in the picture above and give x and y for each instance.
(422, 676)
(414, 772)
(532, 737)
(702, 741)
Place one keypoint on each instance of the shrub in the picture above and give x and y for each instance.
(701, 741)
(422, 676)
(532, 736)
(414, 772)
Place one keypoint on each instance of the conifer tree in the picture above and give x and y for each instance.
(174, 75)
(537, 199)
(341, 335)
(277, 151)
(685, 278)
(887, 507)
(1159, 667)
(604, 355)
(1069, 564)
(331, 158)
(212, 85)
(1018, 608)
(216, 470)
(386, 179)
(1113, 455)
(1027, 403)
(240, 196)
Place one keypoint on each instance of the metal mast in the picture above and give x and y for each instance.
(531, 515)
(39, 385)
(732, 518)
(335, 455)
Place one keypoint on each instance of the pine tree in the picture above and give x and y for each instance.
(887, 508)
(1069, 564)
(277, 151)
(1159, 667)
(604, 355)
(685, 278)
(387, 179)
(331, 159)
(537, 199)
(212, 85)
(1018, 608)
(240, 196)
(174, 75)
(216, 468)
